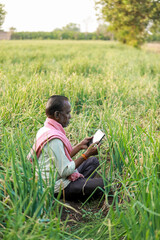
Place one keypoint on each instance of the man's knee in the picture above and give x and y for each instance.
(94, 161)
(76, 186)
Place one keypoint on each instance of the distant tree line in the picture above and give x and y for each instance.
(154, 38)
(59, 35)
(70, 31)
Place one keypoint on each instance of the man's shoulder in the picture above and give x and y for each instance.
(41, 131)
(55, 145)
(56, 142)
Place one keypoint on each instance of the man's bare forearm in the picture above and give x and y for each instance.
(79, 161)
(75, 150)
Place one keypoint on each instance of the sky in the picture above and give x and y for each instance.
(47, 15)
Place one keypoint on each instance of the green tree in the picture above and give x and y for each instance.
(12, 29)
(2, 14)
(103, 33)
(72, 27)
(130, 19)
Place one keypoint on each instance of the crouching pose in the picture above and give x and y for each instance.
(75, 179)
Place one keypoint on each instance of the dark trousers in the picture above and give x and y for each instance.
(82, 188)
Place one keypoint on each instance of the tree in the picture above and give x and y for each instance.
(103, 33)
(12, 29)
(130, 19)
(73, 27)
(2, 14)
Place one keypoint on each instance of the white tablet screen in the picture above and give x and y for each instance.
(98, 136)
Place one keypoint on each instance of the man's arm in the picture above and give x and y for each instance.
(82, 145)
(63, 165)
(91, 151)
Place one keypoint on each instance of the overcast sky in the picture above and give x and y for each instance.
(46, 15)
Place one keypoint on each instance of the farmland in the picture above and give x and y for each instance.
(110, 86)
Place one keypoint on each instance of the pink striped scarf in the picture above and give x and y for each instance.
(55, 131)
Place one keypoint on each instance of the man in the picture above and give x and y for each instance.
(75, 179)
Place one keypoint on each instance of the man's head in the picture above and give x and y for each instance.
(59, 108)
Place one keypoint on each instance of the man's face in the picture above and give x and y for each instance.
(65, 114)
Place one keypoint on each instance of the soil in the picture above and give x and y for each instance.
(154, 47)
(76, 212)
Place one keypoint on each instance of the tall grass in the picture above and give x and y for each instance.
(110, 86)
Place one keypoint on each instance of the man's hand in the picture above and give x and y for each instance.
(92, 150)
(84, 143)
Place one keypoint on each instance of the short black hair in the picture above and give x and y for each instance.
(55, 103)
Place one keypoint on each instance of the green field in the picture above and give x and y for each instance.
(110, 86)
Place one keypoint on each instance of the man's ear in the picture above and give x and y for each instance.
(56, 115)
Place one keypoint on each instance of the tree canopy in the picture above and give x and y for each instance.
(72, 27)
(130, 20)
(2, 14)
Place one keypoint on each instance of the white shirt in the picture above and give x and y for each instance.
(54, 164)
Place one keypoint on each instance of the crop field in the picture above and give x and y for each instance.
(110, 86)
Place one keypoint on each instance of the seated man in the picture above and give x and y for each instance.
(54, 153)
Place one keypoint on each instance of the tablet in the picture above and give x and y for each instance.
(97, 137)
